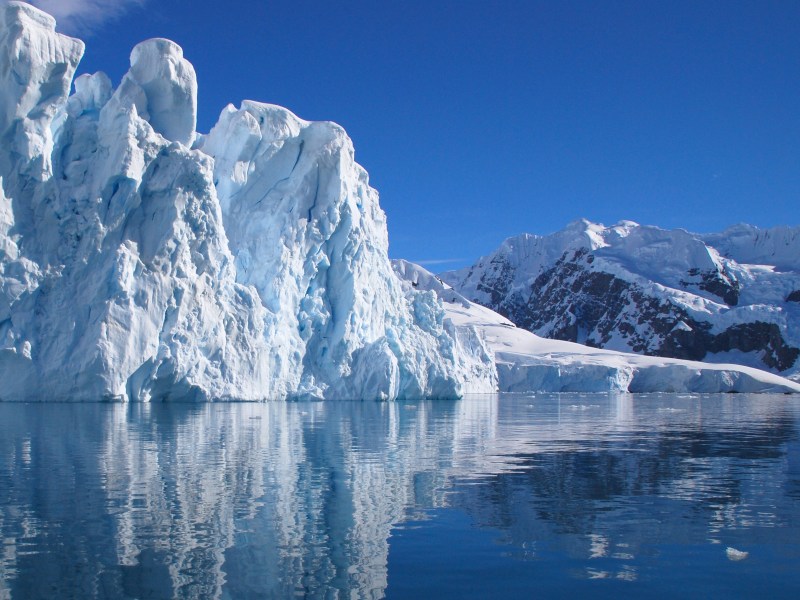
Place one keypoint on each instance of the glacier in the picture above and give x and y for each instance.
(140, 260)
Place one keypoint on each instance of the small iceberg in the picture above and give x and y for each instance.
(735, 555)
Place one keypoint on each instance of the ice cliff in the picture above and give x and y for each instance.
(140, 260)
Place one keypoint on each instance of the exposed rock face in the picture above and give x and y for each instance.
(642, 289)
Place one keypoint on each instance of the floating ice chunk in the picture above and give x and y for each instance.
(735, 555)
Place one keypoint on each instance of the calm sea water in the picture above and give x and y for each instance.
(498, 496)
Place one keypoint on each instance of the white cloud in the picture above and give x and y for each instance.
(77, 16)
(437, 261)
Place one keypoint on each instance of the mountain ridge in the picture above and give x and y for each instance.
(650, 290)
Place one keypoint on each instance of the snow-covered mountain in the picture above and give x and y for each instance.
(529, 363)
(142, 260)
(727, 297)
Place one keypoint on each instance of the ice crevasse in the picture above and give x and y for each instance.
(140, 260)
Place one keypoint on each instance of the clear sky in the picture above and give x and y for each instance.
(482, 119)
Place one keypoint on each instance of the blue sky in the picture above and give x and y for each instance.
(478, 120)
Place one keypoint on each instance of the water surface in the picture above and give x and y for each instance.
(504, 496)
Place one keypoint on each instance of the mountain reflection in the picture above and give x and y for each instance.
(300, 499)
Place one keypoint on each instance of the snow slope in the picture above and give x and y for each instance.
(140, 260)
(779, 246)
(730, 297)
(529, 363)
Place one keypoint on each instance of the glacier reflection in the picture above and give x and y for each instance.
(285, 499)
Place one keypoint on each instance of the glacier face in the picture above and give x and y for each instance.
(140, 260)
(728, 297)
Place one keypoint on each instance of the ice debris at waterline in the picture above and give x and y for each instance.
(141, 260)
(735, 555)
